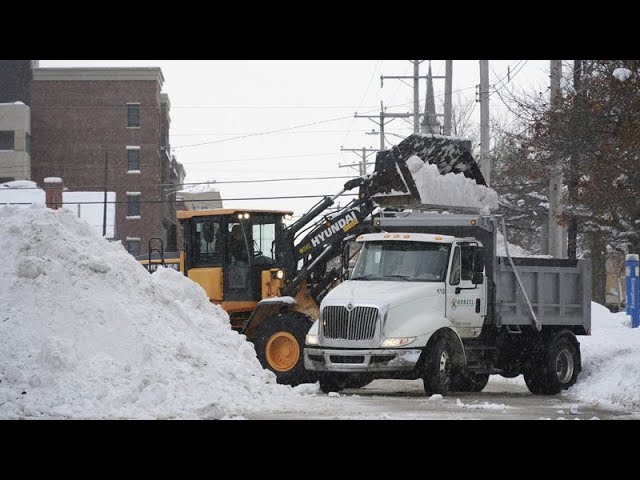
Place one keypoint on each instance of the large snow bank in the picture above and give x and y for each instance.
(452, 189)
(86, 332)
(610, 361)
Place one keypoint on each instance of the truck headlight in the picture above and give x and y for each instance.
(311, 339)
(397, 342)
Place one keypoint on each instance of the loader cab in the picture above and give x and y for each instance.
(226, 251)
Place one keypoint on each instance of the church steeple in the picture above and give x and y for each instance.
(430, 122)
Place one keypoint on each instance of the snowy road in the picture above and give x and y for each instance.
(405, 400)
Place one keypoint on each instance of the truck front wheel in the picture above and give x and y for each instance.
(438, 368)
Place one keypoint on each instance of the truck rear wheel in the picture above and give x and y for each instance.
(279, 343)
(438, 368)
(557, 369)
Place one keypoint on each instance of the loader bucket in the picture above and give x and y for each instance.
(392, 182)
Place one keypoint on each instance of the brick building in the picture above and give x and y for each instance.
(84, 120)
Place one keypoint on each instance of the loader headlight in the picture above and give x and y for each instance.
(311, 339)
(397, 342)
(279, 274)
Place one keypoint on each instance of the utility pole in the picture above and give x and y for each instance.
(104, 210)
(572, 228)
(416, 90)
(557, 247)
(380, 121)
(363, 153)
(448, 100)
(416, 96)
(485, 161)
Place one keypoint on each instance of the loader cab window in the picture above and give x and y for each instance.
(264, 234)
(207, 243)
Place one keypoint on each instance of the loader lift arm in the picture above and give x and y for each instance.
(324, 241)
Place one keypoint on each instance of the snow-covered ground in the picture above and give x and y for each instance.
(86, 332)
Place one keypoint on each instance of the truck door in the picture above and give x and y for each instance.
(465, 306)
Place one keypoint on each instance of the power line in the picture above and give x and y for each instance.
(152, 185)
(217, 107)
(199, 200)
(210, 162)
(246, 133)
(378, 65)
(256, 134)
(335, 119)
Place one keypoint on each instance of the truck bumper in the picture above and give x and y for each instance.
(355, 361)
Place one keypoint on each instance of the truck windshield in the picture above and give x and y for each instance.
(402, 261)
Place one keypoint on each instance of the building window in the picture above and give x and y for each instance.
(133, 114)
(133, 247)
(7, 140)
(133, 205)
(28, 144)
(133, 159)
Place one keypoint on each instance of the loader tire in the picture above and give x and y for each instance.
(279, 343)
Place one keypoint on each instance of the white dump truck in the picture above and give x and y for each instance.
(430, 298)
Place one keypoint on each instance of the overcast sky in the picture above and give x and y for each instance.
(213, 101)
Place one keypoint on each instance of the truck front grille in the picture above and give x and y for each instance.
(340, 323)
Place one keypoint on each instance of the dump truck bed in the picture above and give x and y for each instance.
(559, 291)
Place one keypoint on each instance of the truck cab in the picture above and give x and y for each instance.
(403, 288)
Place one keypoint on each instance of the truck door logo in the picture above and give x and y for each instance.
(455, 303)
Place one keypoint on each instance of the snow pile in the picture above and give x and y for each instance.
(610, 361)
(86, 332)
(622, 74)
(452, 189)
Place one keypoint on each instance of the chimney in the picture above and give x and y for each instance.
(53, 192)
